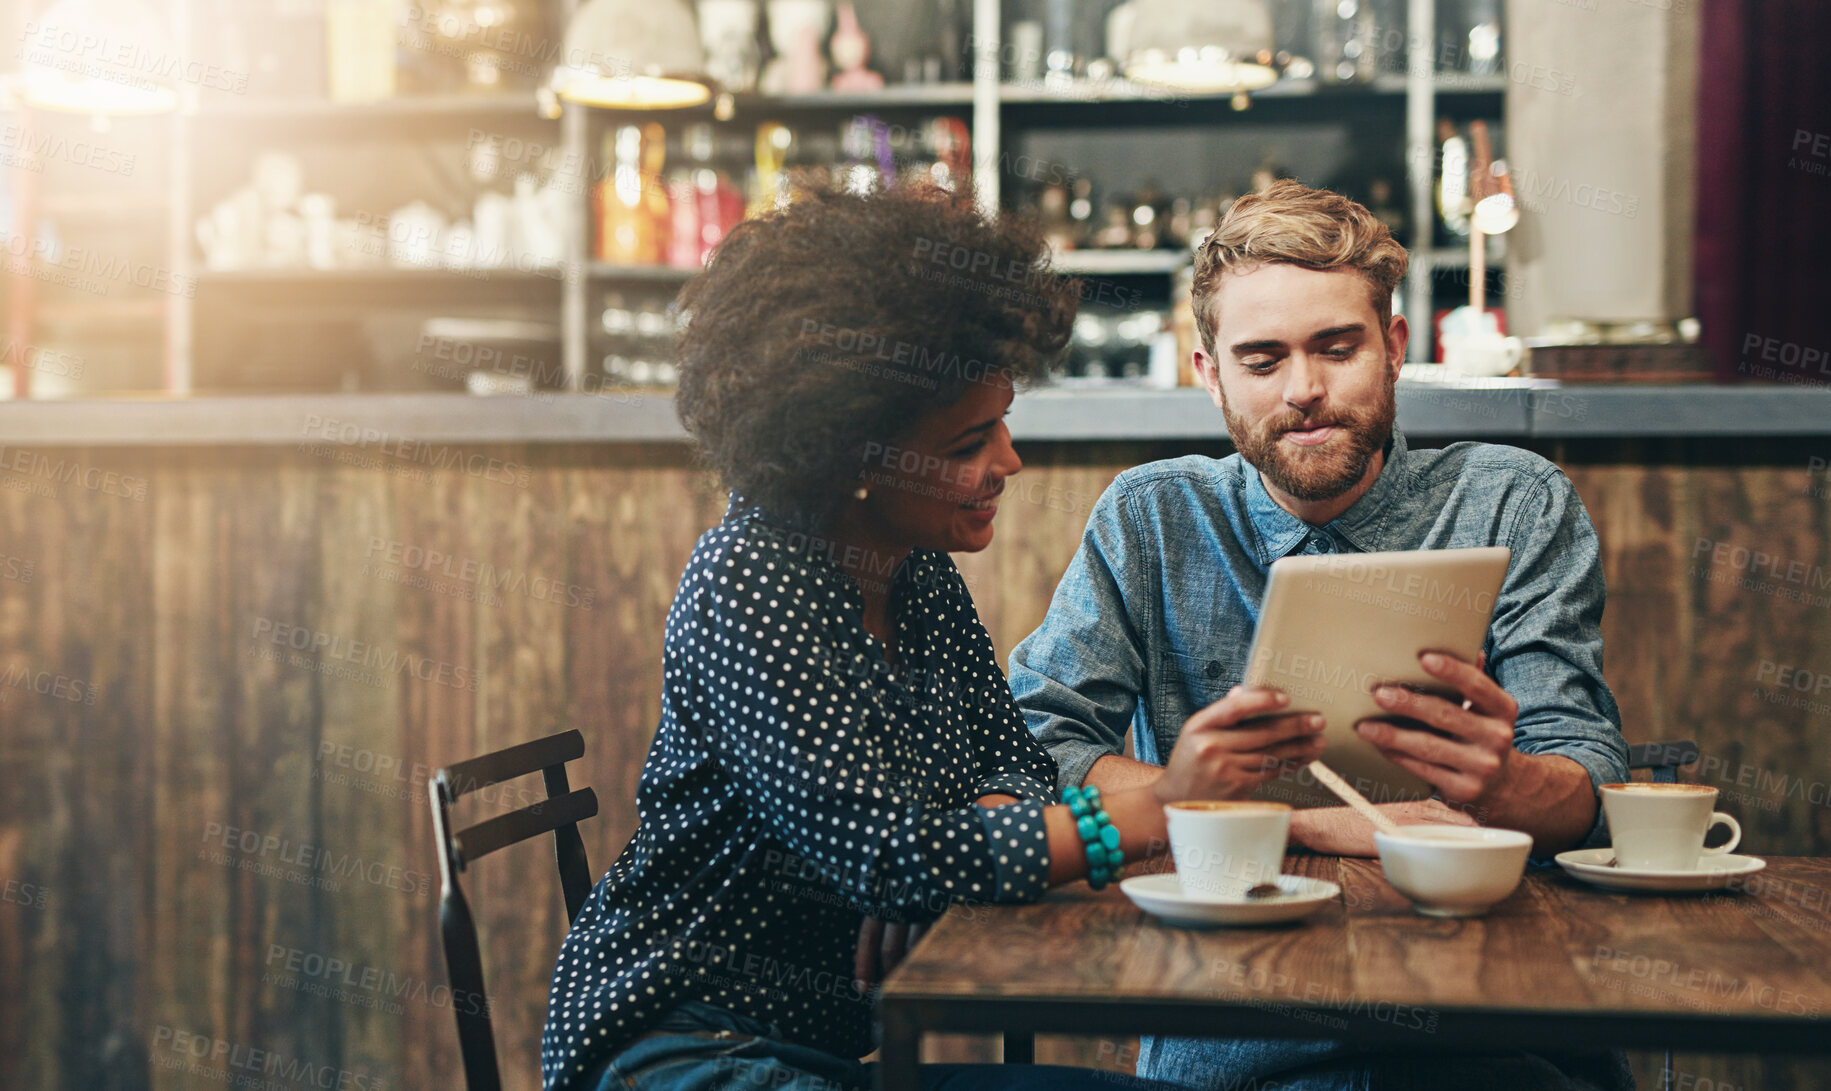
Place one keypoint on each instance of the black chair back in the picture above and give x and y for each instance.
(560, 814)
(1663, 758)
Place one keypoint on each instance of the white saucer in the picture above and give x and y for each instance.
(1713, 872)
(1162, 896)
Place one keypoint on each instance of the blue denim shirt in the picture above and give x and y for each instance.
(1155, 615)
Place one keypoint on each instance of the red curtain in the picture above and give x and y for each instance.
(1763, 249)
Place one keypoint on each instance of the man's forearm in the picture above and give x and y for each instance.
(1116, 773)
(1342, 831)
(1545, 795)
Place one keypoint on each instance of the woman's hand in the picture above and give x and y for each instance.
(1218, 757)
(881, 947)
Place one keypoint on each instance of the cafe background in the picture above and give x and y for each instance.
(339, 444)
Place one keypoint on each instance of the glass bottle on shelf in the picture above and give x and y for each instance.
(1452, 187)
(631, 200)
(1346, 40)
(1115, 230)
(1081, 211)
(1469, 37)
(1052, 211)
(719, 201)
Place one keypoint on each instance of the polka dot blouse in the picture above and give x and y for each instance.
(796, 784)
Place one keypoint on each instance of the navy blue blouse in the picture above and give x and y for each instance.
(796, 784)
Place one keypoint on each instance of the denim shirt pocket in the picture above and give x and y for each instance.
(1190, 684)
(1201, 680)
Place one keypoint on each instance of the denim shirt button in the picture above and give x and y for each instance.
(1213, 669)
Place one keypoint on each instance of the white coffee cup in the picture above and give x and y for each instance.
(1223, 848)
(1482, 355)
(1661, 826)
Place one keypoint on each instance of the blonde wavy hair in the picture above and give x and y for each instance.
(1292, 224)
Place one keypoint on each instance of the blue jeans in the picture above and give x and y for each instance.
(1264, 1064)
(712, 1049)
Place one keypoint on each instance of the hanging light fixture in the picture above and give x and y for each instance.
(99, 57)
(1212, 47)
(633, 54)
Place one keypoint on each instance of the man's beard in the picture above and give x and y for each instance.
(1322, 473)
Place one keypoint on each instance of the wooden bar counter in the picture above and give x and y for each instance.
(237, 634)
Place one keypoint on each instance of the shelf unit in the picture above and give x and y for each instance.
(994, 106)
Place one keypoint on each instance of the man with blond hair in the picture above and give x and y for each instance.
(1152, 621)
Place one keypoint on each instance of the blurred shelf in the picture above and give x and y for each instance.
(893, 95)
(1447, 409)
(1389, 86)
(127, 202)
(1460, 83)
(1032, 93)
(661, 274)
(751, 107)
(1457, 257)
(380, 114)
(1120, 262)
(365, 276)
(113, 312)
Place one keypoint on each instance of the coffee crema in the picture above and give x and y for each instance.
(1229, 805)
(1654, 788)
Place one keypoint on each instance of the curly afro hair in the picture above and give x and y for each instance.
(838, 320)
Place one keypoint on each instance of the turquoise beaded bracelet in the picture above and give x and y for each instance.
(1098, 834)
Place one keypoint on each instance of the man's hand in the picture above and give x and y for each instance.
(1340, 831)
(1469, 755)
(881, 947)
(1218, 757)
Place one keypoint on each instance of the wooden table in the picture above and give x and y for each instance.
(1557, 965)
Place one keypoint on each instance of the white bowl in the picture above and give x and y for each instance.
(1453, 871)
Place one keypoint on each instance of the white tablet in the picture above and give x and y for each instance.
(1332, 628)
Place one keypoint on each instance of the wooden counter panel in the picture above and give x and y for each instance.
(210, 822)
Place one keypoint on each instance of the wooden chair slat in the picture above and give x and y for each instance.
(529, 757)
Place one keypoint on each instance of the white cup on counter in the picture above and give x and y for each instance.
(1482, 355)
